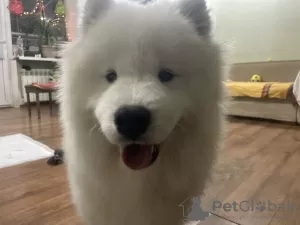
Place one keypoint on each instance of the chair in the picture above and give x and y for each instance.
(36, 89)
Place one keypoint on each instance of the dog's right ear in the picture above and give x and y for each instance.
(196, 11)
(94, 9)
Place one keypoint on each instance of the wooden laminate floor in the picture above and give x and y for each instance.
(260, 163)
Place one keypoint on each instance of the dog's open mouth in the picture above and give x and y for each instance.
(138, 157)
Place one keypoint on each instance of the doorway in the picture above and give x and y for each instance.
(5, 53)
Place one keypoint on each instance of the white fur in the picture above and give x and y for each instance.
(137, 41)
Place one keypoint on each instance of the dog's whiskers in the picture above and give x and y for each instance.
(178, 124)
(94, 127)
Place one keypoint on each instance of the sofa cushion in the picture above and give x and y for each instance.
(259, 89)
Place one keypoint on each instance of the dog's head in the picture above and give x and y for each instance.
(146, 71)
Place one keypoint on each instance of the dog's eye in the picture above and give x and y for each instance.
(111, 76)
(165, 76)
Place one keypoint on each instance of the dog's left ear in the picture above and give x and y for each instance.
(196, 11)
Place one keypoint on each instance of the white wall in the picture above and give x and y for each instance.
(254, 30)
(258, 29)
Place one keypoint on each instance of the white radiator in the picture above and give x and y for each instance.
(32, 76)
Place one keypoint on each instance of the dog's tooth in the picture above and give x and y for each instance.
(152, 149)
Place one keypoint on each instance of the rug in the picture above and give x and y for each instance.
(18, 148)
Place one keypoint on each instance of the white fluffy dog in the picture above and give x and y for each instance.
(141, 110)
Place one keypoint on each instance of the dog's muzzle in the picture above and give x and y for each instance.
(132, 122)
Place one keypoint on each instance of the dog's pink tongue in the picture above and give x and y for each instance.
(137, 156)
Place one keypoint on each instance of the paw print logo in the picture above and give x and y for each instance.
(194, 211)
(260, 206)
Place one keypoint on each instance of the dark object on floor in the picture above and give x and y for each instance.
(57, 159)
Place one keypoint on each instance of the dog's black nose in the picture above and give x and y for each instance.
(132, 121)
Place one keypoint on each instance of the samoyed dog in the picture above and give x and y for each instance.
(141, 98)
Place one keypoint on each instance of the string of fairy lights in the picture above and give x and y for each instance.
(39, 8)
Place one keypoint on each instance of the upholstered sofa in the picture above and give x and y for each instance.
(267, 108)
